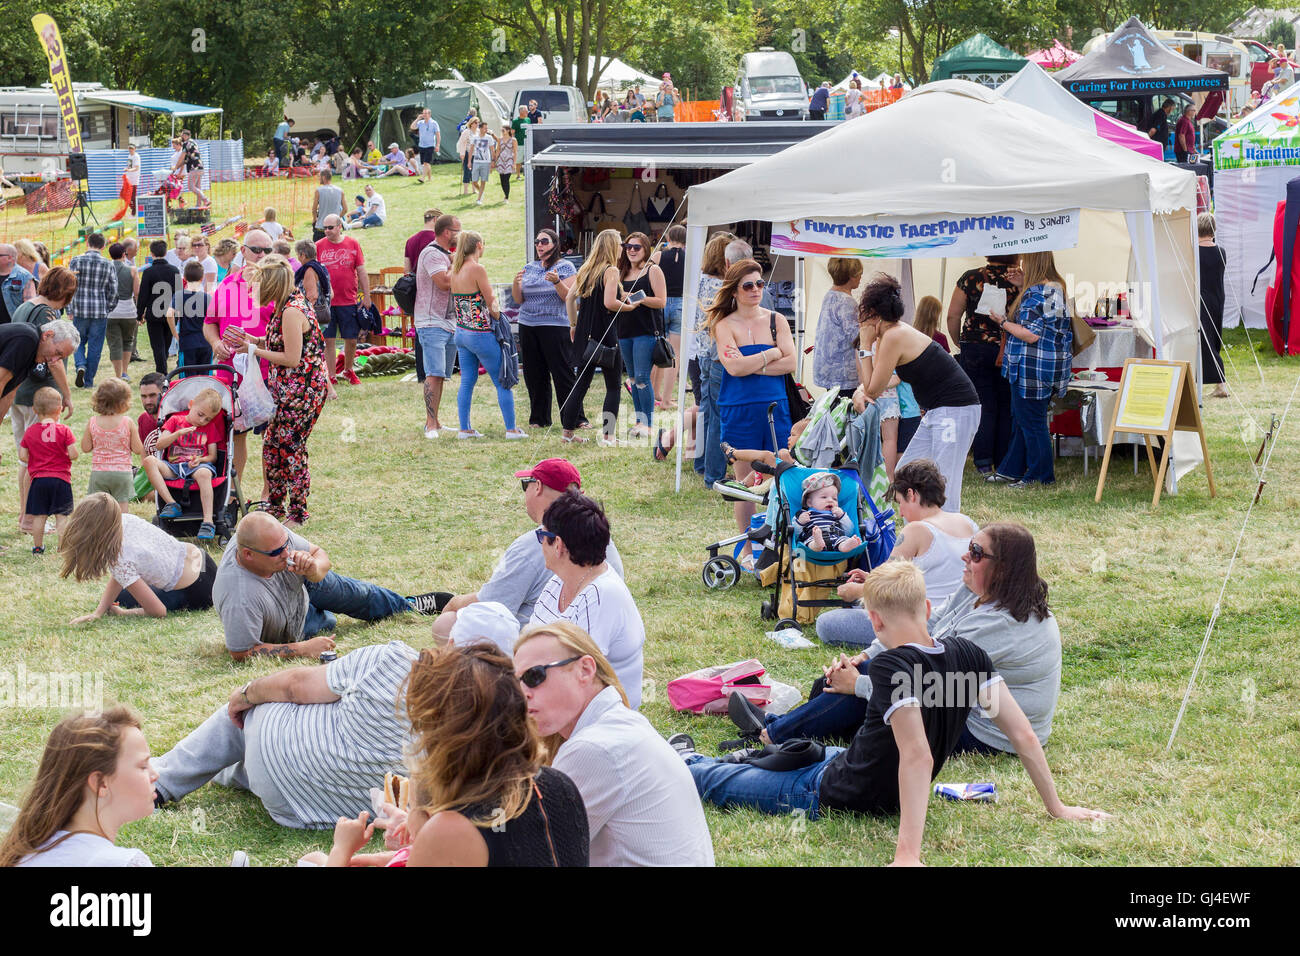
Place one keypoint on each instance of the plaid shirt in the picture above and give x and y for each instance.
(96, 293)
(1039, 369)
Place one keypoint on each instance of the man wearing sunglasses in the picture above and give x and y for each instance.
(642, 808)
(586, 591)
(521, 573)
(275, 592)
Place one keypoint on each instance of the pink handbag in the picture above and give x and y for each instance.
(706, 691)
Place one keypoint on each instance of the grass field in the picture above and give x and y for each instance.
(418, 515)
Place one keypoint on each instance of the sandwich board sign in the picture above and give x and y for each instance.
(1156, 399)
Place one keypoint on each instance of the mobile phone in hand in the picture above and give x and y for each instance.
(635, 297)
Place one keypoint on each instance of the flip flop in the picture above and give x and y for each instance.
(660, 452)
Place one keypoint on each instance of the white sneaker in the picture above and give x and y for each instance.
(469, 434)
(516, 434)
(431, 433)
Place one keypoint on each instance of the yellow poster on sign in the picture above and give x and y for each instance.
(48, 32)
(1148, 399)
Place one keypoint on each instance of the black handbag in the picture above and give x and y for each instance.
(794, 394)
(663, 355)
(597, 354)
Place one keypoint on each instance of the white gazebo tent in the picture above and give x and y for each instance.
(1135, 216)
(616, 75)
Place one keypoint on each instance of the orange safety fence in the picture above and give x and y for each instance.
(875, 99)
(696, 111)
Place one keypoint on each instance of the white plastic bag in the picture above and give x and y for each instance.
(255, 403)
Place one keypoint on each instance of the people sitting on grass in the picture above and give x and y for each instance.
(1001, 607)
(479, 768)
(933, 539)
(275, 593)
(308, 742)
(921, 691)
(642, 809)
(150, 572)
(586, 591)
(94, 778)
(521, 574)
(189, 439)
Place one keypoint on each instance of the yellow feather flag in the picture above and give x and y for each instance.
(48, 32)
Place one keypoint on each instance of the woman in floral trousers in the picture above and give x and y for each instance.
(298, 382)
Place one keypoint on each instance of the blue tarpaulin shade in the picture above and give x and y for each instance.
(139, 101)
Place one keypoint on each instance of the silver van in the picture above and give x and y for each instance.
(558, 104)
(769, 87)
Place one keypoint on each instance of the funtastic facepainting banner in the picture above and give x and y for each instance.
(931, 236)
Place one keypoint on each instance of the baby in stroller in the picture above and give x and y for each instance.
(824, 525)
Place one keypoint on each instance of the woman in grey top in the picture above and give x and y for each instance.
(1001, 606)
(835, 364)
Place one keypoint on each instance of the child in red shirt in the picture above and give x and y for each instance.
(190, 443)
(48, 449)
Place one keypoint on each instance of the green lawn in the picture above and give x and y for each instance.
(418, 515)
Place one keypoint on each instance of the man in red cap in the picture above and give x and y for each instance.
(521, 574)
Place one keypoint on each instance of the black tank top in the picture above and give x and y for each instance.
(552, 831)
(937, 380)
(673, 262)
(639, 320)
(595, 321)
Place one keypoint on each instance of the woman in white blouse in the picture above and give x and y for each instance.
(151, 572)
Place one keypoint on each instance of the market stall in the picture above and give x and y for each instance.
(980, 60)
(936, 204)
(1134, 64)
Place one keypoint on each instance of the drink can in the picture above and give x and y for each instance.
(327, 656)
(979, 792)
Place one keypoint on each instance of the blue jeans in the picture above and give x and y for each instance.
(846, 626)
(337, 594)
(1029, 457)
(824, 717)
(715, 463)
(673, 315)
(473, 349)
(637, 352)
(91, 348)
(740, 785)
(369, 219)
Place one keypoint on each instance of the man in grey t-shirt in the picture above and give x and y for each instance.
(274, 591)
(328, 201)
(521, 575)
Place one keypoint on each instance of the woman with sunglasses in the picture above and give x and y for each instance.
(478, 768)
(586, 590)
(642, 297)
(541, 288)
(1001, 606)
(756, 351)
(889, 346)
(593, 329)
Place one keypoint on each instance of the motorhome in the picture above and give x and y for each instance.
(33, 145)
(769, 87)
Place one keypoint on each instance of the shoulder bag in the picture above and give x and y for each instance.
(635, 218)
(794, 394)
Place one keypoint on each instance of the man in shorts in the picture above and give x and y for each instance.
(328, 201)
(342, 257)
(433, 326)
(428, 141)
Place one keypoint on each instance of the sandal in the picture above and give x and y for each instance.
(660, 452)
(729, 452)
(574, 440)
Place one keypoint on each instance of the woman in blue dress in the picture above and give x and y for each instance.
(757, 351)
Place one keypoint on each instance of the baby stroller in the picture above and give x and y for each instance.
(228, 505)
(875, 528)
(171, 189)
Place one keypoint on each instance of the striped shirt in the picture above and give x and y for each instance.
(96, 293)
(606, 611)
(324, 758)
(642, 805)
(542, 305)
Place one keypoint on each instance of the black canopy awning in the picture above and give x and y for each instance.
(1134, 63)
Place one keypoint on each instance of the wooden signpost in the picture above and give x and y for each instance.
(1156, 398)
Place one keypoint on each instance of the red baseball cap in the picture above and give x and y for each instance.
(554, 473)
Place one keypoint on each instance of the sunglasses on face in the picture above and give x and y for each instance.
(275, 553)
(541, 241)
(535, 675)
(978, 554)
(544, 536)
(753, 284)
(257, 250)
(525, 482)
(633, 246)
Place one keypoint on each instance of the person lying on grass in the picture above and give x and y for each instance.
(276, 593)
(922, 690)
(150, 572)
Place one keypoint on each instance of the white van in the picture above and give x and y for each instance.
(559, 104)
(769, 87)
